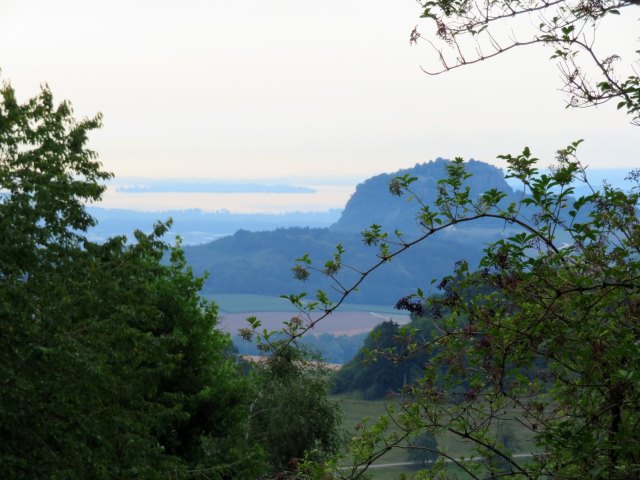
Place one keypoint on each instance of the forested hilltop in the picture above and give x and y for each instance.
(257, 262)
(372, 203)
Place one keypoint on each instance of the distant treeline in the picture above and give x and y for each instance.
(198, 226)
(260, 263)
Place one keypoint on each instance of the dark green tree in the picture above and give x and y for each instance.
(292, 416)
(111, 365)
(380, 368)
(370, 372)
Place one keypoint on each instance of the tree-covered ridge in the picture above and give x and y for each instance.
(251, 262)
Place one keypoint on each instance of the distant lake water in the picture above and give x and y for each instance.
(325, 197)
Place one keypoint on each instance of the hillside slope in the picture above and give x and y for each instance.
(260, 262)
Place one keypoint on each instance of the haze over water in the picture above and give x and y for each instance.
(326, 197)
(314, 196)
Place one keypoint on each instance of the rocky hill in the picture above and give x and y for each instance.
(372, 202)
(260, 262)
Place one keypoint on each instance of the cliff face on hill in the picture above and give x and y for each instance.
(372, 203)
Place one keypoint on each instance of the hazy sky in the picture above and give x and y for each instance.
(247, 89)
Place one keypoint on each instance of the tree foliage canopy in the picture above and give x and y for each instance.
(292, 416)
(553, 346)
(111, 364)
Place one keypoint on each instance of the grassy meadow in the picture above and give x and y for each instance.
(355, 410)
